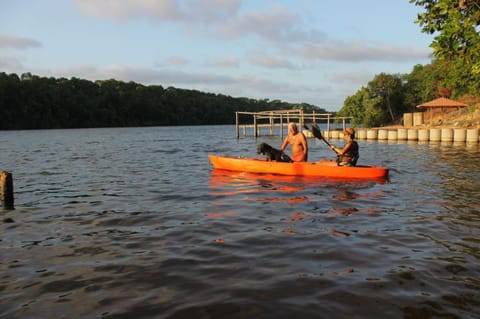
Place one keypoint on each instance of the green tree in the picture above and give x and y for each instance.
(418, 87)
(456, 24)
(363, 108)
(388, 89)
(380, 103)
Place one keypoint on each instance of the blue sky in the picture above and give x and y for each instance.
(312, 51)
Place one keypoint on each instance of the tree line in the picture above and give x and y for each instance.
(387, 97)
(33, 102)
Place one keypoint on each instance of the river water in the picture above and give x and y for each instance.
(134, 223)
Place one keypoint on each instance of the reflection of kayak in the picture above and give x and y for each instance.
(253, 165)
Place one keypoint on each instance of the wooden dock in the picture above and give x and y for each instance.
(280, 119)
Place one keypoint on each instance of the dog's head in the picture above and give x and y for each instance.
(262, 148)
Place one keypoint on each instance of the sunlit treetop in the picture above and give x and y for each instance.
(456, 25)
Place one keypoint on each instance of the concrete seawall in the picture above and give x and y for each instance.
(412, 134)
(412, 130)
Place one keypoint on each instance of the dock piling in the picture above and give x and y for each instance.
(6, 190)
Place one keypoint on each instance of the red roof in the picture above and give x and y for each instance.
(441, 102)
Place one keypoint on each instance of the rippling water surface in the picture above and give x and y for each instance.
(134, 223)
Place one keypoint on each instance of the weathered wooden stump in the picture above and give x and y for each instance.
(6, 189)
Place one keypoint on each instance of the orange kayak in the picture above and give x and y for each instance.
(253, 165)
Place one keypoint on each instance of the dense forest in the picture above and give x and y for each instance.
(33, 102)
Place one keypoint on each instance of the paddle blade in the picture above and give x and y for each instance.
(316, 132)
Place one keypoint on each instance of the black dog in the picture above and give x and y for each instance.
(272, 154)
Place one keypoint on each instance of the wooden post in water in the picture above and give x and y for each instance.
(272, 123)
(255, 129)
(237, 132)
(6, 189)
(281, 126)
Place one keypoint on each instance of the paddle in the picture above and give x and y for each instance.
(318, 134)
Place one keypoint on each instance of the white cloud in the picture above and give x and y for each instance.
(358, 52)
(354, 77)
(268, 61)
(190, 11)
(223, 62)
(177, 60)
(130, 9)
(266, 23)
(208, 11)
(16, 42)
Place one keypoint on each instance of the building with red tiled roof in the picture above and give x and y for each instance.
(442, 103)
(439, 106)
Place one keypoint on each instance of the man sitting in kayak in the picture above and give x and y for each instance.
(298, 142)
(348, 155)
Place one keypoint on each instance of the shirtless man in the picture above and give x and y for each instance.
(298, 142)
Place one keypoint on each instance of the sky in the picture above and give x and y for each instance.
(299, 51)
